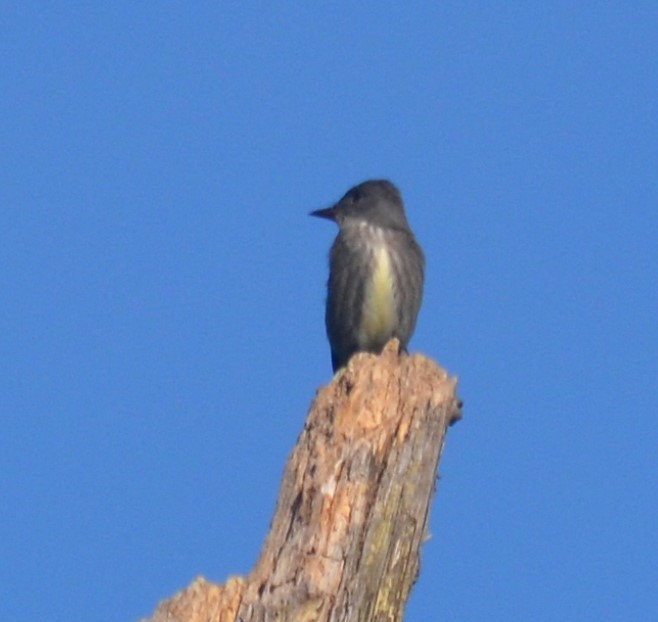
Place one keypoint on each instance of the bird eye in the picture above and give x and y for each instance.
(356, 195)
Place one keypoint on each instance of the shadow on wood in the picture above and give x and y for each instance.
(344, 544)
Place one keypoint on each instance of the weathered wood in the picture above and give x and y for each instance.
(344, 544)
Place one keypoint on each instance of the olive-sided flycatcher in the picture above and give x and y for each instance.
(376, 270)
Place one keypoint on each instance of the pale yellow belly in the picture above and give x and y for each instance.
(378, 318)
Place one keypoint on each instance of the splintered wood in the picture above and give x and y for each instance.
(352, 512)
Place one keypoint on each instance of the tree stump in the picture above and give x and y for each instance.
(352, 513)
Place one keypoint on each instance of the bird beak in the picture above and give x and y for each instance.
(328, 212)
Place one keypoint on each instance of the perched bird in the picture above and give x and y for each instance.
(376, 271)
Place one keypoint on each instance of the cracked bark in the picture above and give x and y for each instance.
(352, 513)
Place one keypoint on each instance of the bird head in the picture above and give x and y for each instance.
(376, 202)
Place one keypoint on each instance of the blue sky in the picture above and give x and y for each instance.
(163, 288)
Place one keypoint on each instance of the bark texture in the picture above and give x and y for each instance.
(351, 516)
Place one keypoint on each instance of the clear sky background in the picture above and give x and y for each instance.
(162, 288)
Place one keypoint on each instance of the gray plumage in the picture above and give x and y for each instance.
(376, 272)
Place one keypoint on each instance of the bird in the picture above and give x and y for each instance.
(376, 272)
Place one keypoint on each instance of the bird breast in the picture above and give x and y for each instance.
(379, 314)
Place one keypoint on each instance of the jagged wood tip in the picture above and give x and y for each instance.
(344, 543)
